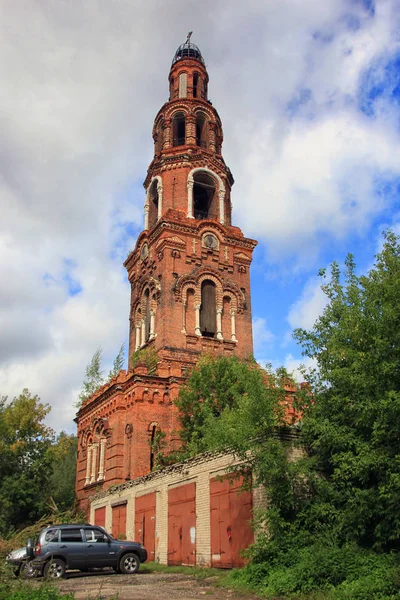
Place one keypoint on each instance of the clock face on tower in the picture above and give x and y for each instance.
(144, 251)
(210, 241)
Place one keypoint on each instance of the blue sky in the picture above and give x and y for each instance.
(309, 96)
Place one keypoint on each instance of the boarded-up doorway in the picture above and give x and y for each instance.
(100, 516)
(182, 525)
(231, 513)
(119, 520)
(145, 523)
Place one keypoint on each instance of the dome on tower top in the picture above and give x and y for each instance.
(188, 50)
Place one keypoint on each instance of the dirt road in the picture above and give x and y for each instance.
(145, 586)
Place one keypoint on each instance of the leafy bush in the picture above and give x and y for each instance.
(344, 573)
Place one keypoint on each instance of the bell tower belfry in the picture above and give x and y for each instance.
(189, 272)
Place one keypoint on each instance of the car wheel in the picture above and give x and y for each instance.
(54, 569)
(27, 571)
(129, 563)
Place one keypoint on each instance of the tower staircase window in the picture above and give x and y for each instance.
(208, 313)
(204, 197)
(179, 129)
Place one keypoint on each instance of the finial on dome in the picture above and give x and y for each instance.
(188, 50)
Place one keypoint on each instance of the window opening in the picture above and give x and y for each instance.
(179, 129)
(152, 446)
(204, 197)
(171, 89)
(147, 313)
(195, 84)
(208, 313)
(153, 203)
(200, 131)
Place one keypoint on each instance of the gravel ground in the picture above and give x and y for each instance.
(145, 586)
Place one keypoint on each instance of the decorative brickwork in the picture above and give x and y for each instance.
(190, 287)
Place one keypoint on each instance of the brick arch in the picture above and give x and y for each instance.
(175, 108)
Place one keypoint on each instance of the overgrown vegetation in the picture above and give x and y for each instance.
(94, 375)
(146, 357)
(334, 515)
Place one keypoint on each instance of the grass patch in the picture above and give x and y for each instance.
(198, 572)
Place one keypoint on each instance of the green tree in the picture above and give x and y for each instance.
(228, 403)
(352, 424)
(62, 480)
(118, 363)
(94, 377)
(25, 465)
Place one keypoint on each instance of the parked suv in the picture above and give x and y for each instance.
(82, 546)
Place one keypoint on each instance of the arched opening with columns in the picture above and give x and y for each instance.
(206, 195)
(95, 442)
(201, 131)
(205, 203)
(153, 204)
(209, 306)
(179, 129)
(208, 309)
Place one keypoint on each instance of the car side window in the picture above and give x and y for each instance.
(51, 535)
(94, 536)
(71, 535)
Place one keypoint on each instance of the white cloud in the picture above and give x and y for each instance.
(295, 366)
(304, 312)
(262, 336)
(81, 87)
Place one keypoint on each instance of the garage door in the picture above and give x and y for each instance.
(100, 516)
(145, 523)
(231, 513)
(182, 525)
(119, 520)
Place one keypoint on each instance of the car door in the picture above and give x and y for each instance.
(100, 552)
(73, 548)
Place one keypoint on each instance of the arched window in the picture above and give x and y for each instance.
(153, 203)
(195, 85)
(208, 312)
(171, 89)
(179, 129)
(204, 197)
(201, 131)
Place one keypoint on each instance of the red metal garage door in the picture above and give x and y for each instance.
(182, 525)
(119, 520)
(145, 523)
(231, 513)
(100, 516)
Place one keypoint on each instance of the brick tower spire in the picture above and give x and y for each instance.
(189, 271)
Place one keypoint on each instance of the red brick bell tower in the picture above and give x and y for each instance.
(189, 272)
(190, 286)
